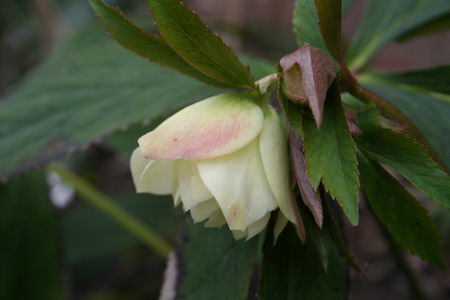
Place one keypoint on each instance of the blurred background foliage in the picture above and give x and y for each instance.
(57, 244)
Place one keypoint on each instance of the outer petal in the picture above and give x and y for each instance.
(204, 210)
(216, 219)
(239, 184)
(274, 154)
(151, 176)
(191, 187)
(257, 227)
(215, 126)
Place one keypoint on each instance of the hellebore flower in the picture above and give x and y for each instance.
(224, 159)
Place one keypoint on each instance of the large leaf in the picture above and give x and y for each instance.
(89, 88)
(427, 105)
(29, 250)
(149, 46)
(295, 271)
(402, 215)
(329, 13)
(386, 20)
(306, 25)
(197, 44)
(403, 155)
(434, 26)
(331, 155)
(214, 265)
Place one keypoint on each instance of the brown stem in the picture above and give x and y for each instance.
(367, 96)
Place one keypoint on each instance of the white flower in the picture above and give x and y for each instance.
(224, 159)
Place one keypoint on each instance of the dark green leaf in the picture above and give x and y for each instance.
(294, 271)
(214, 265)
(329, 13)
(427, 105)
(331, 155)
(386, 20)
(306, 25)
(346, 5)
(198, 45)
(149, 46)
(88, 89)
(434, 26)
(403, 216)
(403, 155)
(29, 251)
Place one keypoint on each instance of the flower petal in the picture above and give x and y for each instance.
(280, 223)
(151, 176)
(202, 211)
(257, 227)
(212, 127)
(191, 187)
(274, 154)
(216, 219)
(239, 184)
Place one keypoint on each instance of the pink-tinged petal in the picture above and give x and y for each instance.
(212, 127)
(151, 176)
(202, 211)
(217, 219)
(239, 184)
(191, 187)
(274, 154)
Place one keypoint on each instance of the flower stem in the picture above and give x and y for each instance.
(367, 96)
(111, 209)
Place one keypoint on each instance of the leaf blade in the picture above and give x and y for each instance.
(144, 44)
(195, 43)
(331, 155)
(402, 215)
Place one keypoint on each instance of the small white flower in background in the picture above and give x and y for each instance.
(224, 159)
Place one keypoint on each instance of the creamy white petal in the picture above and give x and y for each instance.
(212, 127)
(175, 184)
(151, 176)
(191, 187)
(237, 234)
(280, 223)
(257, 227)
(274, 154)
(216, 219)
(202, 211)
(239, 184)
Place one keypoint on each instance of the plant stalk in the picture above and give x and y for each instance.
(367, 96)
(114, 211)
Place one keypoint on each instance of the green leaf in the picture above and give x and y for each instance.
(386, 20)
(88, 89)
(404, 155)
(346, 5)
(434, 26)
(426, 104)
(29, 252)
(329, 13)
(306, 25)
(331, 155)
(215, 266)
(198, 45)
(149, 46)
(403, 216)
(294, 271)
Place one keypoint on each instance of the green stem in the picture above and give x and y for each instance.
(367, 96)
(414, 284)
(110, 208)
